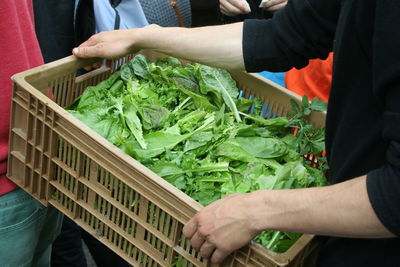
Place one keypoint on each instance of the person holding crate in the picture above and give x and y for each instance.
(360, 211)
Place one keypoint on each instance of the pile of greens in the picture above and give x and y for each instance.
(188, 125)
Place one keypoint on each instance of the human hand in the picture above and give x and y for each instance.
(234, 7)
(108, 44)
(93, 66)
(273, 5)
(223, 227)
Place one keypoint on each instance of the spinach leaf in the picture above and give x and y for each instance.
(219, 83)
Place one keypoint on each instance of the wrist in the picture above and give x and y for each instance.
(150, 38)
(140, 38)
(271, 208)
(259, 210)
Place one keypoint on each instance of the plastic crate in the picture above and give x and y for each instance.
(62, 162)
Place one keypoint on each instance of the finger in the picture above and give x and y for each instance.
(224, 11)
(276, 7)
(229, 10)
(243, 5)
(197, 240)
(236, 7)
(190, 228)
(271, 3)
(97, 64)
(219, 255)
(93, 66)
(88, 51)
(207, 249)
(88, 68)
(227, 13)
(264, 3)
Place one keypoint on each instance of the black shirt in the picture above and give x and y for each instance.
(363, 120)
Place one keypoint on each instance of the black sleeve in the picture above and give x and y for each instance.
(383, 184)
(303, 30)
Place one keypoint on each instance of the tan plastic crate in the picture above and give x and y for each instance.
(62, 162)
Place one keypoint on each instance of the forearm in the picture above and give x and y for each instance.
(338, 210)
(219, 46)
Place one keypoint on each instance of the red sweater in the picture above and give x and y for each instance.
(19, 51)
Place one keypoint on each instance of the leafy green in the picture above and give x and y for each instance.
(220, 84)
(187, 124)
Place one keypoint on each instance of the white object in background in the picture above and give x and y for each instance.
(263, 2)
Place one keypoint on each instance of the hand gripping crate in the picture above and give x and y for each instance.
(62, 162)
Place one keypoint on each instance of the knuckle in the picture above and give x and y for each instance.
(83, 51)
(203, 232)
(224, 248)
(93, 38)
(204, 253)
(99, 48)
(200, 217)
(98, 36)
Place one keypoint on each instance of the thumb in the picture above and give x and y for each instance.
(87, 51)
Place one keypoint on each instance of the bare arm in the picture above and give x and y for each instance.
(219, 46)
(338, 210)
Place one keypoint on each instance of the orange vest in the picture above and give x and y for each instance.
(314, 80)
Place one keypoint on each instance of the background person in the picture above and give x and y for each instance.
(314, 80)
(27, 228)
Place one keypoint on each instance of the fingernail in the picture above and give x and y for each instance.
(264, 3)
(75, 50)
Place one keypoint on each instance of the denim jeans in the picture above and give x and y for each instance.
(27, 230)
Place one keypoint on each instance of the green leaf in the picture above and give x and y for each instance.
(318, 105)
(232, 150)
(127, 73)
(140, 66)
(187, 83)
(305, 101)
(295, 106)
(267, 182)
(153, 116)
(280, 121)
(260, 147)
(219, 83)
(168, 62)
(128, 112)
(165, 168)
(104, 85)
(199, 101)
(198, 140)
(159, 142)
